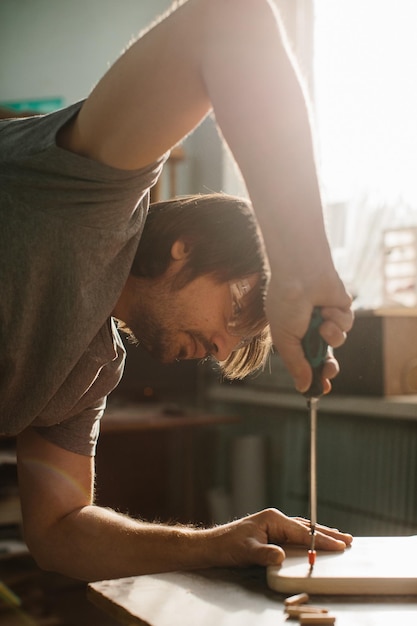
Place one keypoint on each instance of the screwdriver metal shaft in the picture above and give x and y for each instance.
(315, 350)
(312, 404)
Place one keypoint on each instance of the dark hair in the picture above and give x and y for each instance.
(224, 240)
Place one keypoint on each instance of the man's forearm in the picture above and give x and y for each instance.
(96, 543)
(262, 111)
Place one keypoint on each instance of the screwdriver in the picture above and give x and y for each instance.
(315, 351)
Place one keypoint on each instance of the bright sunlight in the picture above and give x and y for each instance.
(365, 69)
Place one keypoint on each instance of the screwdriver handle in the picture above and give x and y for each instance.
(315, 350)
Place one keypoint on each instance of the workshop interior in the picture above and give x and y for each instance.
(177, 442)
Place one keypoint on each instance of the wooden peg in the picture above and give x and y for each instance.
(297, 610)
(317, 618)
(299, 598)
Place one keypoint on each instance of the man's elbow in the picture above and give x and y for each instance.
(40, 548)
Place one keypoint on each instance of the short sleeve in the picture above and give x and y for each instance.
(79, 433)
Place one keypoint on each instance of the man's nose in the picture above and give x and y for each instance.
(224, 345)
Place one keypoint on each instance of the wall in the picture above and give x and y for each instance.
(59, 48)
(52, 48)
(366, 455)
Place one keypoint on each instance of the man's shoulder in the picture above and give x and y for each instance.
(23, 136)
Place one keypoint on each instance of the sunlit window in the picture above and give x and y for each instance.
(365, 93)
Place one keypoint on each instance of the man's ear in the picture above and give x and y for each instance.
(179, 250)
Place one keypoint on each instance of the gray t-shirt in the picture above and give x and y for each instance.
(69, 229)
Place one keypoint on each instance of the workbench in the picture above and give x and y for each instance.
(231, 597)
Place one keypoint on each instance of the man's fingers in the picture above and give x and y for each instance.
(326, 538)
(332, 334)
(325, 542)
(334, 329)
(336, 324)
(303, 375)
(343, 318)
(335, 534)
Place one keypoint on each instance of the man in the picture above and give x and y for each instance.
(74, 199)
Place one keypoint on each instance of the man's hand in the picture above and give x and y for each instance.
(289, 315)
(254, 540)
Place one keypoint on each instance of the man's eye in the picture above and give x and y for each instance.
(237, 308)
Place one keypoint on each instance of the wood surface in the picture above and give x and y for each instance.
(232, 597)
(371, 566)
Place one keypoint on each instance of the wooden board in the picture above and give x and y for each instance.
(371, 566)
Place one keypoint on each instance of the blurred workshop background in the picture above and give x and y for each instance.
(178, 443)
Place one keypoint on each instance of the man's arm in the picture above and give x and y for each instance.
(67, 533)
(230, 55)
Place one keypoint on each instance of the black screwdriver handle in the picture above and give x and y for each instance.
(315, 350)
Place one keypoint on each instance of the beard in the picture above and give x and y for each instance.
(158, 322)
(157, 341)
(163, 344)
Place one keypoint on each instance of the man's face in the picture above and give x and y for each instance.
(187, 323)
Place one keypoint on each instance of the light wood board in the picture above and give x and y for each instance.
(371, 566)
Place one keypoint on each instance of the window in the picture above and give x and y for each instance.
(365, 100)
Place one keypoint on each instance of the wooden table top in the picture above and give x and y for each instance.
(232, 597)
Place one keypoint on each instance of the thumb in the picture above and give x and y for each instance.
(268, 554)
